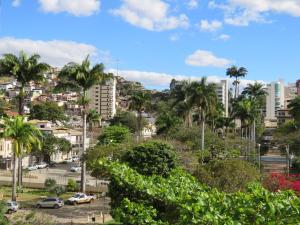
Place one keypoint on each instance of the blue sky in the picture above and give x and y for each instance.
(153, 41)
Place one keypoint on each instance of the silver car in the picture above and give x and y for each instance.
(12, 207)
(50, 203)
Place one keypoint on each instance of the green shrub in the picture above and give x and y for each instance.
(49, 184)
(72, 185)
(58, 190)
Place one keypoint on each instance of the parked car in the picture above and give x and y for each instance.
(81, 198)
(52, 164)
(32, 167)
(12, 206)
(75, 169)
(41, 165)
(68, 160)
(75, 158)
(50, 203)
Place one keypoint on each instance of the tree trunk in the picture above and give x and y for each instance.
(139, 124)
(202, 135)
(21, 112)
(14, 179)
(83, 163)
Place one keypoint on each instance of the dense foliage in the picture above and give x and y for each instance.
(151, 157)
(227, 175)
(180, 199)
(48, 111)
(114, 135)
(3, 220)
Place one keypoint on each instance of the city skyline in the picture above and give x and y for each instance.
(155, 41)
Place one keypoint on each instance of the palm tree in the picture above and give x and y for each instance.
(236, 73)
(24, 69)
(294, 107)
(181, 103)
(93, 118)
(204, 97)
(256, 91)
(165, 122)
(82, 77)
(140, 102)
(24, 136)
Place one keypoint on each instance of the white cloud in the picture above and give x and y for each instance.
(16, 3)
(151, 15)
(224, 37)
(74, 7)
(192, 4)
(242, 12)
(56, 53)
(205, 58)
(162, 80)
(212, 26)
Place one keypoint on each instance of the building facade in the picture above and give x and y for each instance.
(103, 99)
(222, 93)
(275, 99)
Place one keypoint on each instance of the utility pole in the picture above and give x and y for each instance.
(288, 159)
(259, 159)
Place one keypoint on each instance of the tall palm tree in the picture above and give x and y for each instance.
(181, 103)
(236, 72)
(256, 91)
(24, 69)
(82, 77)
(93, 118)
(204, 97)
(24, 136)
(140, 102)
(294, 107)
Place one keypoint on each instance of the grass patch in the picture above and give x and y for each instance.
(112, 222)
(29, 197)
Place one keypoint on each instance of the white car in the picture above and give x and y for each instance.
(75, 169)
(68, 160)
(41, 165)
(32, 167)
(12, 206)
(75, 158)
(81, 198)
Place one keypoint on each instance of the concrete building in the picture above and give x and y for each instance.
(222, 93)
(290, 93)
(275, 99)
(103, 99)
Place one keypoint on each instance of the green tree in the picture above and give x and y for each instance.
(128, 119)
(24, 137)
(227, 175)
(256, 91)
(140, 101)
(25, 69)
(294, 108)
(49, 184)
(152, 157)
(166, 123)
(48, 111)
(82, 77)
(72, 185)
(236, 72)
(93, 118)
(114, 135)
(204, 97)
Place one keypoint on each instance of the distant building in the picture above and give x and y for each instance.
(298, 87)
(222, 93)
(290, 93)
(274, 99)
(283, 116)
(103, 99)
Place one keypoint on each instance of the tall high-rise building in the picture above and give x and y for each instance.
(298, 87)
(275, 99)
(103, 99)
(222, 93)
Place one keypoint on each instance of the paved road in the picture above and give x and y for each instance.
(76, 215)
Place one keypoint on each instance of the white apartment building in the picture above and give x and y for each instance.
(103, 99)
(222, 93)
(274, 99)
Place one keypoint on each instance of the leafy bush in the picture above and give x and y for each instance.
(49, 184)
(180, 199)
(72, 185)
(227, 175)
(114, 135)
(152, 157)
(58, 190)
(3, 219)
